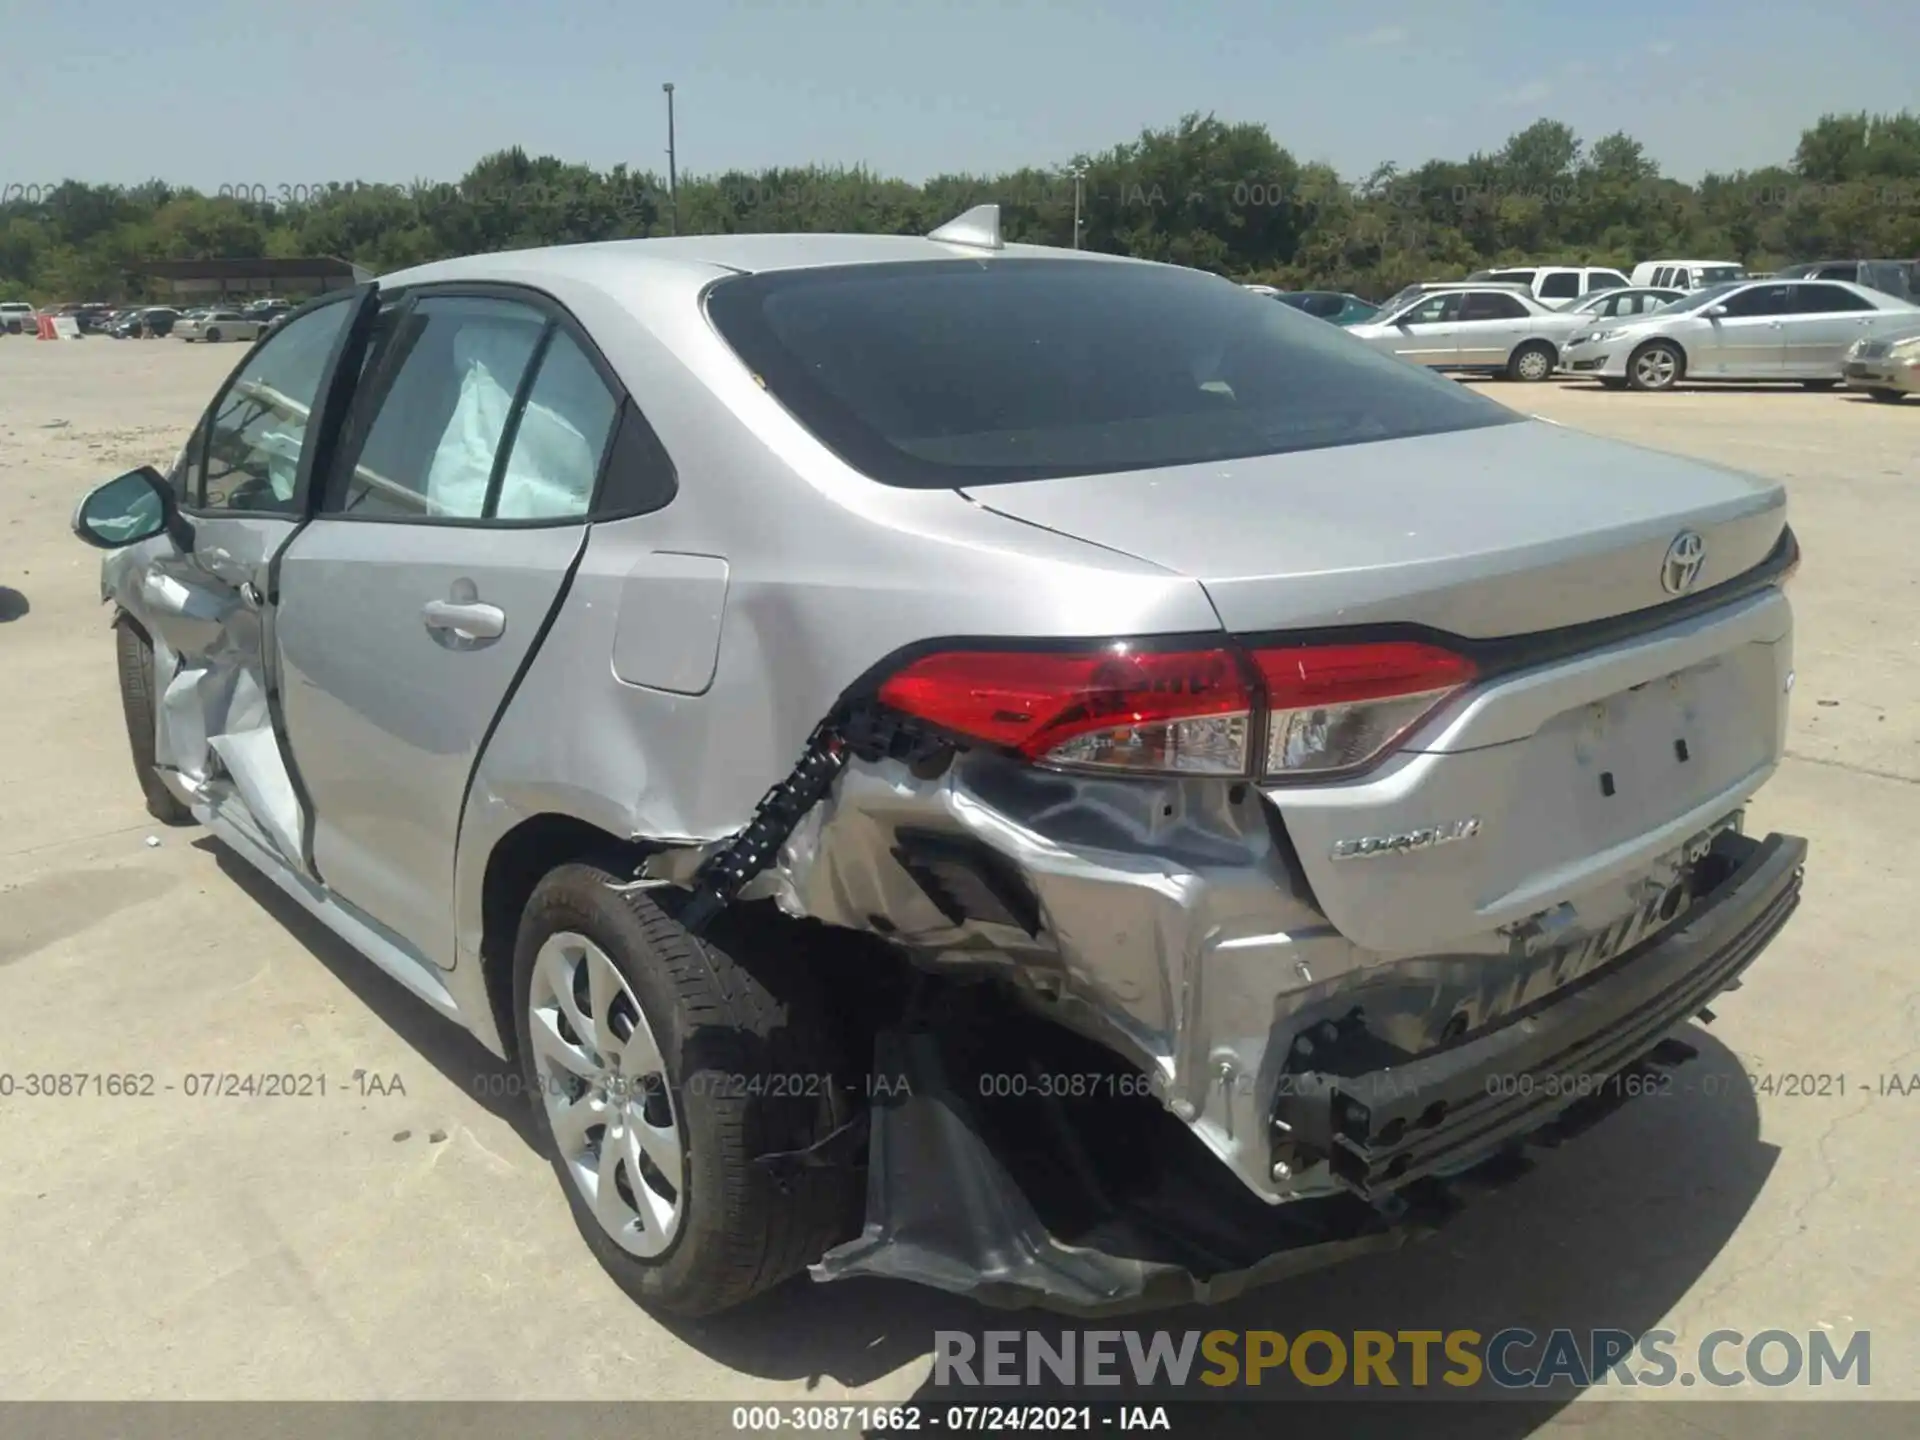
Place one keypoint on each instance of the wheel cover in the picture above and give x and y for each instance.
(1533, 365)
(1655, 367)
(604, 1085)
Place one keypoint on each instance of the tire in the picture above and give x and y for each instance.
(213, 337)
(138, 702)
(1646, 370)
(1532, 362)
(1886, 396)
(742, 1064)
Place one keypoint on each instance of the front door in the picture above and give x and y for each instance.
(240, 483)
(1748, 342)
(1424, 334)
(443, 540)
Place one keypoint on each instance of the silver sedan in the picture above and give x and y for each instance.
(217, 325)
(1742, 330)
(1497, 328)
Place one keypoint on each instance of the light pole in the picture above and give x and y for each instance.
(673, 179)
(1079, 173)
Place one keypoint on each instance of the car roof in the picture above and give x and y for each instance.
(621, 261)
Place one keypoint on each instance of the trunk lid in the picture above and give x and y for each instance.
(1584, 775)
(1482, 533)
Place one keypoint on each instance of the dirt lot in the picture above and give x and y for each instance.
(410, 1244)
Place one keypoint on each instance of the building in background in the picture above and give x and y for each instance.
(189, 282)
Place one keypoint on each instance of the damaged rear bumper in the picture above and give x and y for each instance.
(1091, 1198)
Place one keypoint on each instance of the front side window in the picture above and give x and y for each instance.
(1434, 310)
(941, 374)
(258, 427)
(1605, 280)
(1758, 300)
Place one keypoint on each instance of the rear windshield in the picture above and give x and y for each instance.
(948, 374)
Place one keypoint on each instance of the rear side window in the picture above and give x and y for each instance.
(444, 384)
(558, 439)
(941, 374)
(1826, 300)
(1491, 305)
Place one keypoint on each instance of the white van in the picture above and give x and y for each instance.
(1686, 274)
(1554, 284)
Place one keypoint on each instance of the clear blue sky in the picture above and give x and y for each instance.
(213, 92)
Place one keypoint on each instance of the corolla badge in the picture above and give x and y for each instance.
(1366, 847)
(1681, 568)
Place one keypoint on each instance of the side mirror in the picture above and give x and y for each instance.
(135, 506)
(1714, 312)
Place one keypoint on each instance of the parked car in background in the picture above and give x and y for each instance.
(150, 320)
(92, 319)
(767, 688)
(218, 325)
(1887, 367)
(1270, 291)
(17, 317)
(1622, 303)
(1686, 274)
(1497, 328)
(1330, 305)
(1554, 284)
(1891, 277)
(1743, 330)
(1399, 299)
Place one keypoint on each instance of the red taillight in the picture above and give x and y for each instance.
(1114, 708)
(1328, 708)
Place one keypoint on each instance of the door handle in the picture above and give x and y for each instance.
(471, 622)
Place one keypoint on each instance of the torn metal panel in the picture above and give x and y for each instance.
(1169, 922)
(945, 1209)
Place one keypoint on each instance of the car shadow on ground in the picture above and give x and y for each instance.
(1608, 1232)
(13, 605)
(462, 1059)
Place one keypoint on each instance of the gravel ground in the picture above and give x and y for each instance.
(405, 1242)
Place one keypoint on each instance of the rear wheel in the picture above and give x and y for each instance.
(1888, 397)
(139, 700)
(660, 1067)
(213, 337)
(1657, 365)
(1533, 361)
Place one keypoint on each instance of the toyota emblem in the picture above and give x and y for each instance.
(1681, 568)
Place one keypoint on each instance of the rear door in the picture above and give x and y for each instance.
(444, 538)
(1491, 323)
(241, 481)
(1820, 323)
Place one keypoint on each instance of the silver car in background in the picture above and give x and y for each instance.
(1001, 767)
(1500, 329)
(1742, 330)
(214, 326)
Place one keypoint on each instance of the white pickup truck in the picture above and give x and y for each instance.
(17, 317)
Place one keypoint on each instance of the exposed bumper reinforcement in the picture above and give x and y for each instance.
(1446, 1110)
(1100, 1205)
